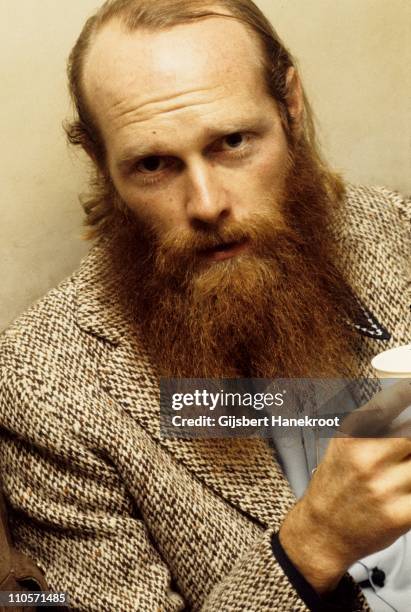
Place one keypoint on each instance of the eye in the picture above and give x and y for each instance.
(152, 164)
(235, 145)
(234, 141)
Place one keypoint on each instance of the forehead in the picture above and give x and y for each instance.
(146, 79)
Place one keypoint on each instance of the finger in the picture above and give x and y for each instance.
(402, 513)
(395, 479)
(374, 451)
(375, 416)
(400, 430)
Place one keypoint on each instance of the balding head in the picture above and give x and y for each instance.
(160, 15)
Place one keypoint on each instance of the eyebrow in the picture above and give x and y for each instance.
(139, 151)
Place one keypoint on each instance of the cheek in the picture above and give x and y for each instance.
(272, 166)
(268, 174)
(158, 211)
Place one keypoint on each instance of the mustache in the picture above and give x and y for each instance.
(179, 255)
(191, 243)
(257, 229)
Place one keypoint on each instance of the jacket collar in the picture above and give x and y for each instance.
(98, 311)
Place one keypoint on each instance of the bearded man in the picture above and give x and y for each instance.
(225, 247)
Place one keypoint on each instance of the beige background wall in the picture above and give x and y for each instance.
(355, 57)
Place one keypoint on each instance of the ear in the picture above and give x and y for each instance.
(89, 150)
(295, 97)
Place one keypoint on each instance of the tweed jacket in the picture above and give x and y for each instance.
(123, 519)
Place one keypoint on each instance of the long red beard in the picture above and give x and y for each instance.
(277, 310)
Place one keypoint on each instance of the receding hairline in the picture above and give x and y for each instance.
(119, 20)
(158, 29)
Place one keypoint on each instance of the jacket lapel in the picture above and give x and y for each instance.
(243, 471)
(373, 249)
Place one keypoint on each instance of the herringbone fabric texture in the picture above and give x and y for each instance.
(115, 515)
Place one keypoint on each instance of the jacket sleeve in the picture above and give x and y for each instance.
(75, 517)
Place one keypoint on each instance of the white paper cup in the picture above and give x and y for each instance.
(390, 366)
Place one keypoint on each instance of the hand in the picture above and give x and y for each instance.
(359, 500)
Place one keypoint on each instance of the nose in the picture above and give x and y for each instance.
(207, 201)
